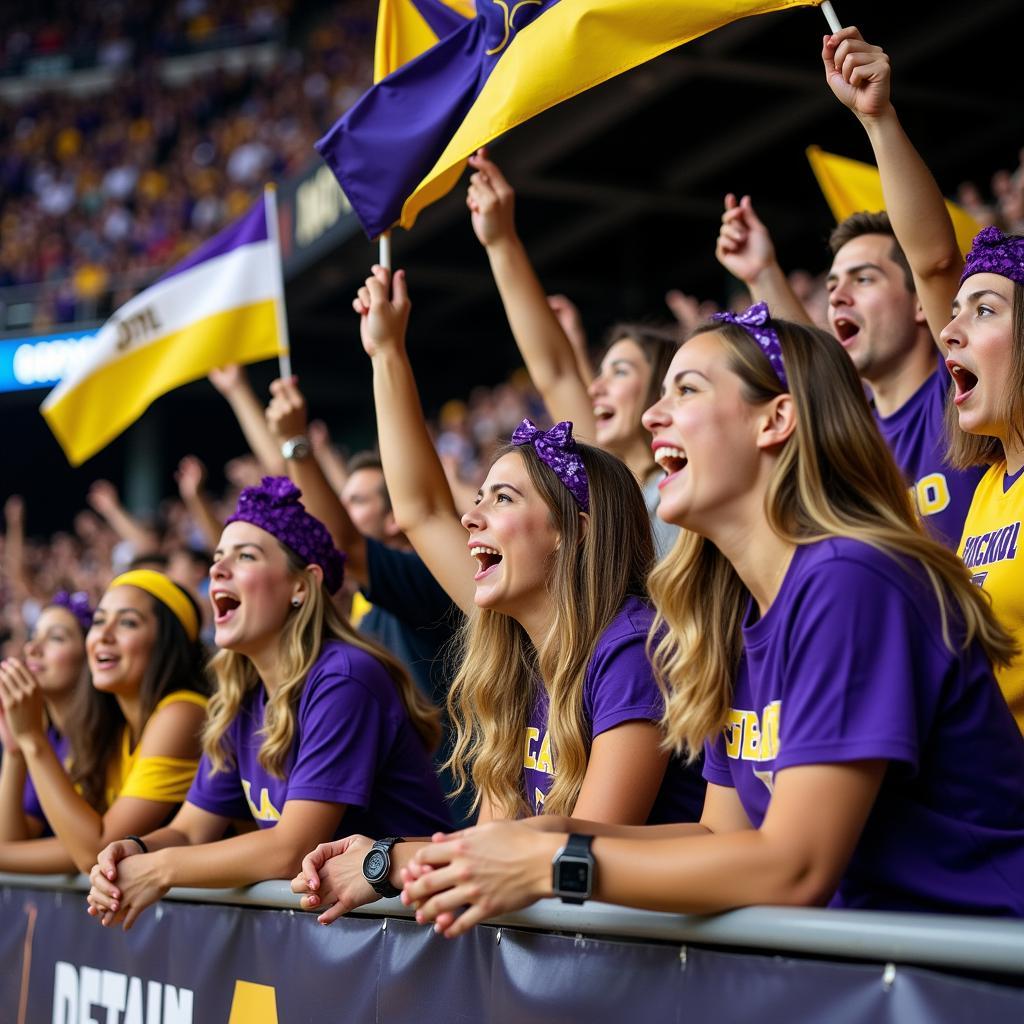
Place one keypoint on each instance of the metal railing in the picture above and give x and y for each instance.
(990, 945)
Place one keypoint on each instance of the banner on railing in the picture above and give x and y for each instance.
(187, 963)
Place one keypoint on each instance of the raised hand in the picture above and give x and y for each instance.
(103, 497)
(858, 73)
(190, 477)
(744, 244)
(22, 700)
(491, 201)
(227, 379)
(14, 510)
(286, 414)
(383, 306)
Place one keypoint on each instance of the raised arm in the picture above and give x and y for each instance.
(746, 250)
(286, 417)
(860, 76)
(233, 384)
(420, 496)
(104, 499)
(544, 346)
(14, 544)
(191, 480)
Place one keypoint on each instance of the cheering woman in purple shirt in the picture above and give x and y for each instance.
(833, 660)
(313, 728)
(555, 704)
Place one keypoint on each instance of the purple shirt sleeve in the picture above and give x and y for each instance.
(620, 684)
(343, 729)
(847, 642)
(220, 792)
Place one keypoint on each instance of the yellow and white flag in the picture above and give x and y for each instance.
(222, 304)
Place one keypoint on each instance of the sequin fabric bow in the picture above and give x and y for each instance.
(274, 506)
(557, 450)
(992, 252)
(756, 321)
(76, 603)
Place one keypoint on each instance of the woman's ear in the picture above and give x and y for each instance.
(301, 590)
(778, 422)
(584, 523)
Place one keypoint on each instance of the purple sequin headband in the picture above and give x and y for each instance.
(274, 506)
(756, 321)
(558, 451)
(76, 603)
(992, 252)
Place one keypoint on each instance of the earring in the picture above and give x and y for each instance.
(296, 602)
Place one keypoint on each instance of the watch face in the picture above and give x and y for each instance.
(573, 876)
(375, 866)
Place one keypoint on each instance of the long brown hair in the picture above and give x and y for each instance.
(834, 477)
(966, 450)
(598, 562)
(96, 720)
(307, 627)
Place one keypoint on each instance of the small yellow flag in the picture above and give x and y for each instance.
(850, 186)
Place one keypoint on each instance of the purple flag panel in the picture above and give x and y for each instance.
(386, 144)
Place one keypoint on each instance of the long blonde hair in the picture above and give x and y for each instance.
(303, 635)
(834, 477)
(598, 563)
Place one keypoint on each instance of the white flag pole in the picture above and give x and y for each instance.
(284, 359)
(384, 255)
(830, 16)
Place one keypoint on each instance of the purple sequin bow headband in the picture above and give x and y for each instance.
(992, 252)
(274, 506)
(755, 320)
(76, 603)
(558, 451)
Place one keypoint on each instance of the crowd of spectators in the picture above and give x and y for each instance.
(100, 191)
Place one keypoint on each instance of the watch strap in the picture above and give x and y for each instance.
(577, 848)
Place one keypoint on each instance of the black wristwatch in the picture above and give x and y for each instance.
(572, 870)
(377, 867)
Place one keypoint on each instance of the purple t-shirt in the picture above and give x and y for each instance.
(30, 800)
(618, 687)
(354, 744)
(916, 436)
(849, 664)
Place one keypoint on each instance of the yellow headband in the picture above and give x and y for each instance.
(167, 593)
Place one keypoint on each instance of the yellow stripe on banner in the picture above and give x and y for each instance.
(253, 1004)
(850, 186)
(568, 49)
(115, 395)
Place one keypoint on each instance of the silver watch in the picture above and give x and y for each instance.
(296, 447)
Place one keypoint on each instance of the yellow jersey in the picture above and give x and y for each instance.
(993, 551)
(165, 779)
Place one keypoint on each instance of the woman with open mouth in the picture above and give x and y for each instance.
(133, 734)
(982, 339)
(555, 706)
(55, 658)
(832, 659)
(313, 728)
(604, 410)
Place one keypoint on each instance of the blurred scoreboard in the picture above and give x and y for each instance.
(40, 360)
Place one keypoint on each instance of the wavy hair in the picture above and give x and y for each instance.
(302, 637)
(96, 720)
(966, 450)
(599, 561)
(834, 477)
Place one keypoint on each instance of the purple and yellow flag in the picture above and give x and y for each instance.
(405, 28)
(402, 146)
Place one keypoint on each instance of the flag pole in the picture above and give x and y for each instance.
(284, 358)
(830, 16)
(384, 254)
